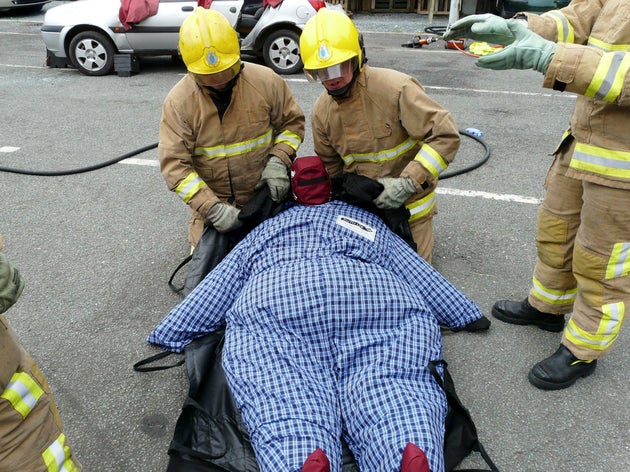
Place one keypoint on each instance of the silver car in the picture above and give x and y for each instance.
(22, 6)
(89, 35)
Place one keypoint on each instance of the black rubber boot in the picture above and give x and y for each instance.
(560, 370)
(522, 313)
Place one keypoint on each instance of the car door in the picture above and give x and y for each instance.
(160, 32)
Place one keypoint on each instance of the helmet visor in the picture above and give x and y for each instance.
(333, 72)
(219, 79)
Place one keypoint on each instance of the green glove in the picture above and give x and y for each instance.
(395, 192)
(488, 28)
(528, 51)
(224, 217)
(276, 176)
(11, 284)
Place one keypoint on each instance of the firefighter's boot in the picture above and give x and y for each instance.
(560, 370)
(522, 313)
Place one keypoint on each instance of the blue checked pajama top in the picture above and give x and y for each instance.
(331, 321)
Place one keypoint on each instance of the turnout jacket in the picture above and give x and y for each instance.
(387, 127)
(206, 159)
(592, 59)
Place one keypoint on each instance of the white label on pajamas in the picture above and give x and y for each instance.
(357, 227)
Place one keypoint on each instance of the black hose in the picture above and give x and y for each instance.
(54, 173)
(439, 30)
(57, 173)
(474, 166)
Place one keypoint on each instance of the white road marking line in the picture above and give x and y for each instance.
(8, 149)
(506, 197)
(141, 162)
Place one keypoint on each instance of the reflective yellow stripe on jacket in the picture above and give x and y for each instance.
(611, 72)
(599, 160)
(290, 139)
(234, 149)
(552, 296)
(22, 393)
(385, 155)
(431, 160)
(566, 33)
(606, 333)
(188, 187)
(57, 457)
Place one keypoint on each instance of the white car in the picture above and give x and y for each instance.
(22, 6)
(89, 35)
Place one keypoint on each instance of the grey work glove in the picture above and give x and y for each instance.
(11, 284)
(276, 176)
(528, 51)
(488, 28)
(224, 217)
(395, 192)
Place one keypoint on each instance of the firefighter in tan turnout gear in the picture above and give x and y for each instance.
(31, 434)
(376, 122)
(227, 128)
(583, 233)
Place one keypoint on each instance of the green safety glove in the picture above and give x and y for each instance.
(11, 284)
(487, 28)
(224, 217)
(528, 51)
(395, 192)
(276, 176)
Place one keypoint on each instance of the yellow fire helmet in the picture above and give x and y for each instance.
(329, 38)
(208, 43)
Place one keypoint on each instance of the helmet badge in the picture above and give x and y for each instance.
(323, 52)
(212, 59)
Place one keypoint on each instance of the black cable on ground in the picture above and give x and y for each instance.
(54, 173)
(439, 30)
(473, 166)
(57, 173)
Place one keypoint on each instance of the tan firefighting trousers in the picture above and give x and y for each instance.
(583, 261)
(31, 434)
(422, 232)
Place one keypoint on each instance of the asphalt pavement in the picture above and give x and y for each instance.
(97, 248)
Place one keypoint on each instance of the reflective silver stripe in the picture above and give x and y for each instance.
(619, 262)
(385, 155)
(601, 161)
(421, 207)
(57, 456)
(236, 148)
(188, 187)
(552, 296)
(290, 139)
(431, 160)
(565, 30)
(22, 393)
(604, 79)
(607, 331)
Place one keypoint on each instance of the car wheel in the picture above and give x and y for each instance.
(92, 53)
(281, 52)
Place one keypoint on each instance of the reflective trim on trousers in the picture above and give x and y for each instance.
(57, 457)
(22, 393)
(607, 331)
(550, 295)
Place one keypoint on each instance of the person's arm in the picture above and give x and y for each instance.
(203, 310)
(571, 24)
(175, 151)
(447, 303)
(590, 72)
(434, 127)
